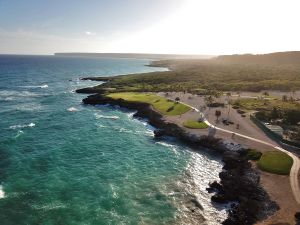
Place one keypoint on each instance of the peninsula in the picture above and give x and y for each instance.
(245, 107)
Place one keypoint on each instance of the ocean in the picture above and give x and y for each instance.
(62, 162)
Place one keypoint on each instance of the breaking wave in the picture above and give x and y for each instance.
(2, 193)
(22, 126)
(106, 117)
(38, 86)
(72, 109)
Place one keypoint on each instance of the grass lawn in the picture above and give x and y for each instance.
(275, 162)
(163, 105)
(193, 124)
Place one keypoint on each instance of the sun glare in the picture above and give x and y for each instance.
(220, 27)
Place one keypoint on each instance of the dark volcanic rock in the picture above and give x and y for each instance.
(97, 78)
(297, 217)
(240, 183)
(215, 187)
(197, 203)
(89, 91)
(159, 133)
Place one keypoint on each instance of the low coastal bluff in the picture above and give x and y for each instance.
(145, 110)
(239, 182)
(92, 90)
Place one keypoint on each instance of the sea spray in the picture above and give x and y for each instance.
(22, 126)
(2, 193)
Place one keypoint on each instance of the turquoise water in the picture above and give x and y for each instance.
(62, 162)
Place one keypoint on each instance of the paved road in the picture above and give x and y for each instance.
(296, 162)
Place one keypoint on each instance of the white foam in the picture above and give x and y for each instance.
(10, 95)
(38, 86)
(22, 126)
(27, 107)
(7, 93)
(106, 117)
(170, 146)
(130, 115)
(101, 126)
(2, 193)
(123, 130)
(72, 109)
(50, 206)
(20, 132)
(164, 144)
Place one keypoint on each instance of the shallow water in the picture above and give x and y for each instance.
(65, 163)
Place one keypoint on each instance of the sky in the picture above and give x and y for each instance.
(208, 27)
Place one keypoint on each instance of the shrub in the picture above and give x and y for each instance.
(253, 154)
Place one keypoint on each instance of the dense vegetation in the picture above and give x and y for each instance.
(163, 105)
(275, 162)
(288, 112)
(279, 71)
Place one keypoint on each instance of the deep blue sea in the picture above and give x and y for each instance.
(63, 163)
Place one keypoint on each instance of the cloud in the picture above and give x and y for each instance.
(89, 33)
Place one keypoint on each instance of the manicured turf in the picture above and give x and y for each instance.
(193, 124)
(163, 105)
(275, 162)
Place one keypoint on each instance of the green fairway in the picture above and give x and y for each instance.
(163, 105)
(193, 124)
(275, 162)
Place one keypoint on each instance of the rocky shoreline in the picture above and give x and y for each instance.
(239, 182)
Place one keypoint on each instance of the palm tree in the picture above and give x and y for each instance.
(218, 114)
(284, 98)
(266, 94)
(208, 100)
(228, 94)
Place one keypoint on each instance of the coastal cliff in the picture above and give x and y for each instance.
(239, 182)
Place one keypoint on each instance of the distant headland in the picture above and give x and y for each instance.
(133, 55)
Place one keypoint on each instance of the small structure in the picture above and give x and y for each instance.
(276, 129)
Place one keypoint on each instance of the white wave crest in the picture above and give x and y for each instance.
(38, 86)
(106, 117)
(100, 125)
(27, 107)
(2, 193)
(72, 109)
(50, 206)
(20, 132)
(164, 144)
(22, 126)
(130, 115)
(170, 146)
(9, 95)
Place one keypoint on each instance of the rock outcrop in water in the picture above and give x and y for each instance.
(239, 182)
